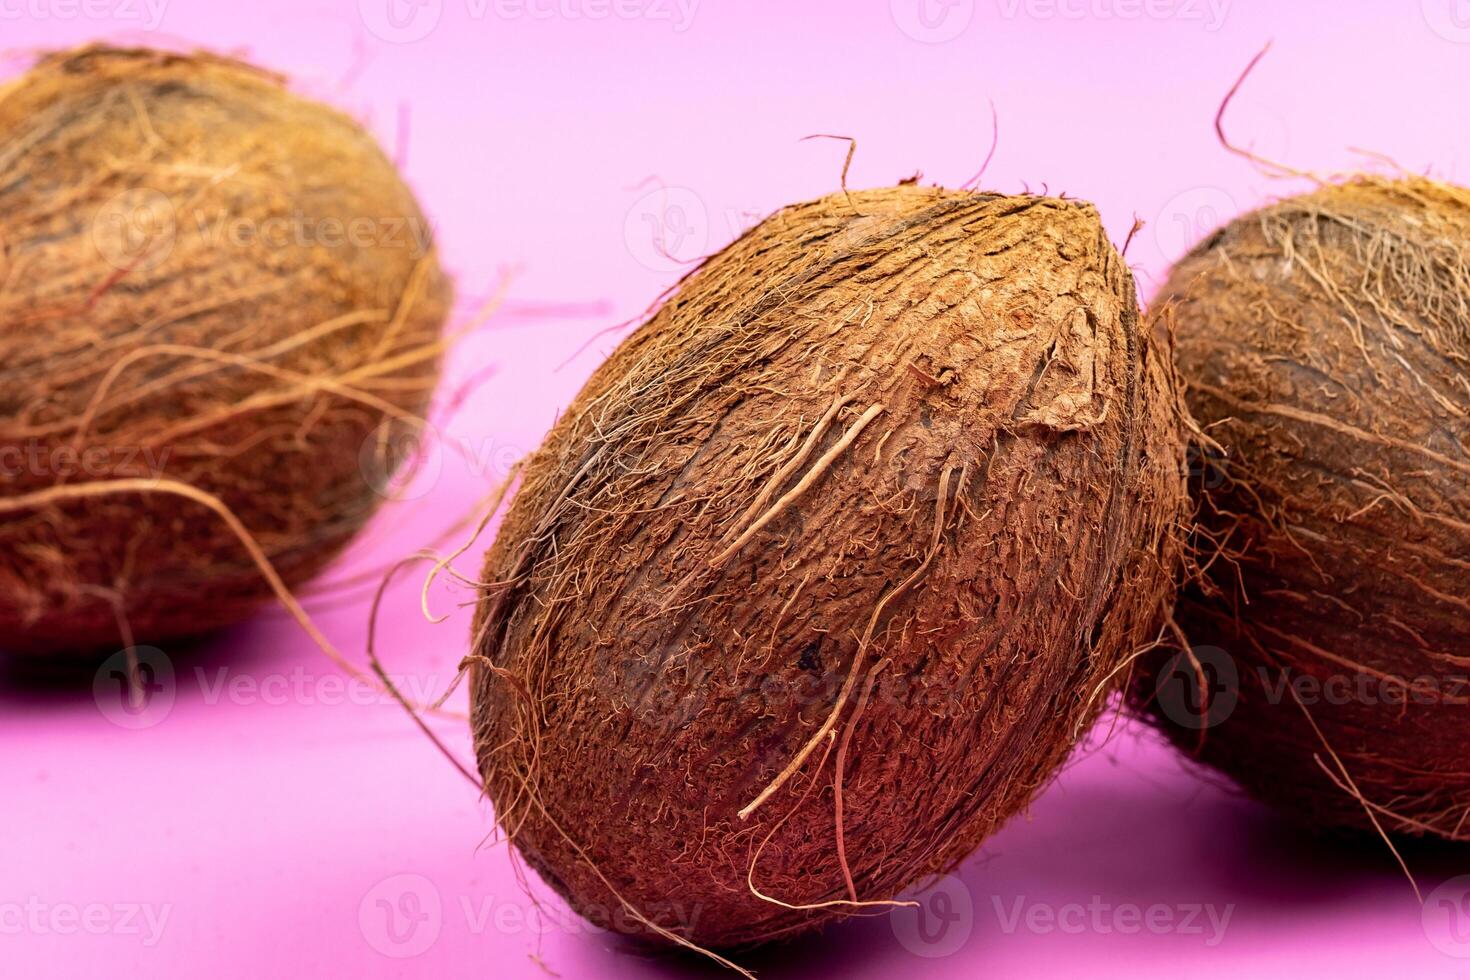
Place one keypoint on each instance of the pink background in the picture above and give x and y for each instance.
(269, 818)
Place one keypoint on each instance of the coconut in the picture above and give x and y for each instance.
(1325, 344)
(823, 573)
(220, 301)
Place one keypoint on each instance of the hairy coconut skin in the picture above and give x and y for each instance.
(895, 476)
(164, 319)
(1325, 345)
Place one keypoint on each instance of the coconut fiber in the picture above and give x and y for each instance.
(1325, 345)
(823, 573)
(215, 298)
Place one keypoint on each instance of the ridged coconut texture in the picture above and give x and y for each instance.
(1325, 345)
(188, 303)
(824, 572)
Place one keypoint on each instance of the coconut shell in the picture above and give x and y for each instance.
(825, 571)
(1325, 344)
(209, 283)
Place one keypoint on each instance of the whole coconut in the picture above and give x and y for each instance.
(210, 285)
(826, 569)
(1325, 345)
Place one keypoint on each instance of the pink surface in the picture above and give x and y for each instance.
(262, 819)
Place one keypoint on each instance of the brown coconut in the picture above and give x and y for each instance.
(824, 572)
(217, 297)
(1325, 345)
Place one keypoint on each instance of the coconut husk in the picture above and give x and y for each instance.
(1325, 344)
(219, 308)
(828, 567)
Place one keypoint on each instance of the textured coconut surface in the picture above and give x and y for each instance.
(217, 293)
(1326, 342)
(896, 483)
(278, 827)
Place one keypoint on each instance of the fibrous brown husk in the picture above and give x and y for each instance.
(1325, 345)
(825, 570)
(215, 295)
